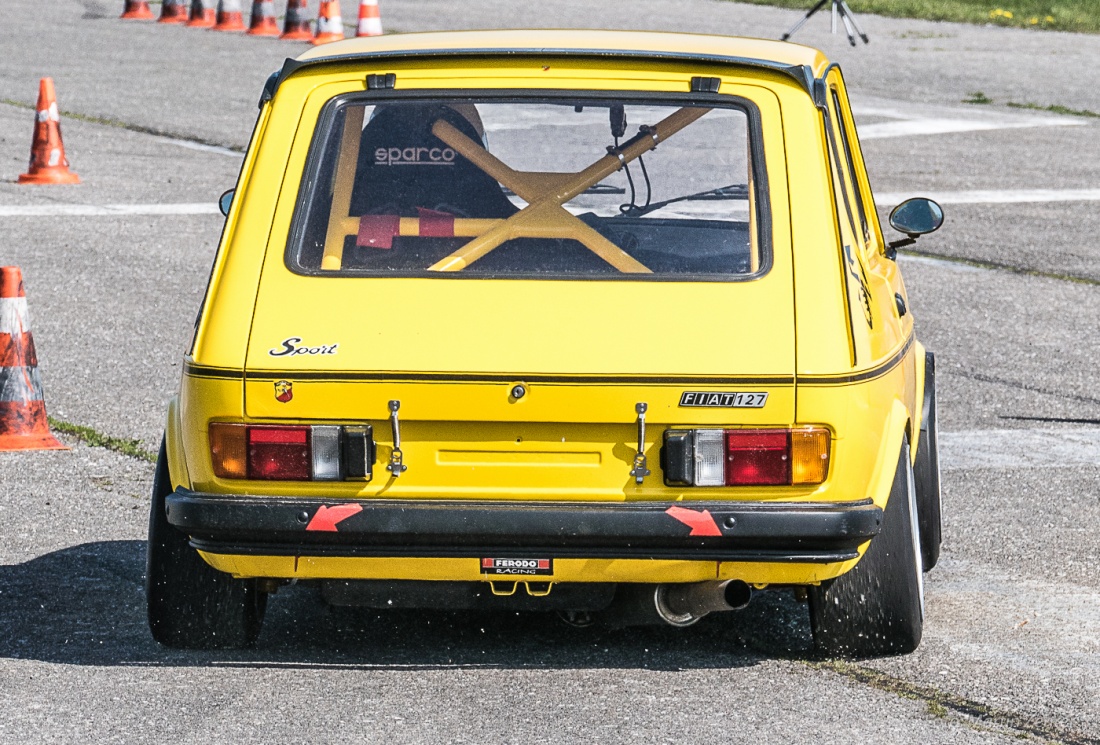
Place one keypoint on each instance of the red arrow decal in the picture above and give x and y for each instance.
(701, 523)
(326, 518)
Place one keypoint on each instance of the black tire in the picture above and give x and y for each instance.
(878, 607)
(192, 605)
(927, 472)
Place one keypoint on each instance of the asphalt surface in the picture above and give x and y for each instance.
(1006, 294)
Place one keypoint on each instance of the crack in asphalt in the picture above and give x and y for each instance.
(938, 700)
(139, 128)
(983, 378)
(996, 265)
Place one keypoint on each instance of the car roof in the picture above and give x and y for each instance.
(646, 44)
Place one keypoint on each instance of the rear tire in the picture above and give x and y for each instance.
(927, 472)
(877, 608)
(191, 605)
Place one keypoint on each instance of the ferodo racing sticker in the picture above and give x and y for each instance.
(517, 566)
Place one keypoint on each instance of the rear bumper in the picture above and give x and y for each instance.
(799, 532)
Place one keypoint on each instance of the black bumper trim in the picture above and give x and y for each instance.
(704, 531)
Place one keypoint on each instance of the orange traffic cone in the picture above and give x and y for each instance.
(173, 11)
(137, 10)
(230, 17)
(330, 26)
(263, 19)
(370, 19)
(296, 27)
(203, 14)
(23, 424)
(48, 162)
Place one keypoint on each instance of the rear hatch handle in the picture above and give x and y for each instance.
(640, 471)
(396, 466)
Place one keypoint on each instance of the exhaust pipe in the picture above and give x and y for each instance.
(677, 605)
(684, 604)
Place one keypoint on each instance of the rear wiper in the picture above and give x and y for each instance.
(733, 191)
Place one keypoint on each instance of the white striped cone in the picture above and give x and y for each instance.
(296, 27)
(203, 14)
(263, 19)
(330, 26)
(370, 19)
(230, 16)
(23, 423)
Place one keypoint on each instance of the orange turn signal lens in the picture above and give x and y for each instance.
(228, 450)
(809, 455)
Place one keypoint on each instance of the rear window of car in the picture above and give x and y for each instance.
(558, 188)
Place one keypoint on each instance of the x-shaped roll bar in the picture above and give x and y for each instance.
(545, 194)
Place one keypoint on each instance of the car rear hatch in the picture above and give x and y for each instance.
(452, 353)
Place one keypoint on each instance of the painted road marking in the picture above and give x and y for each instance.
(916, 121)
(1019, 448)
(913, 127)
(201, 147)
(1006, 196)
(106, 210)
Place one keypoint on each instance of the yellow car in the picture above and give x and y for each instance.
(600, 323)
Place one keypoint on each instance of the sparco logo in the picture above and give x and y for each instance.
(517, 566)
(414, 156)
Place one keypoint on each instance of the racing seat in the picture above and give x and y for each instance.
(402, 166)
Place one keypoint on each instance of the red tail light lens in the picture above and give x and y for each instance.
(757, 457)
(279, 453)
(745, 457)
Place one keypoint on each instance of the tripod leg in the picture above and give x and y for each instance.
(802, 21)
(852, 17)
(849, 30)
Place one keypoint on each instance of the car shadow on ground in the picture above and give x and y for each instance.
(85, 605)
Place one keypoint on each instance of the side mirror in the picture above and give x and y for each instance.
(916, 217)
(225, 201)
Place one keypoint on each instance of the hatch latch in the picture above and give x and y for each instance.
(395, 466)
(639, 472)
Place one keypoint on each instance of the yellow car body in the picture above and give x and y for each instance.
(824, 331)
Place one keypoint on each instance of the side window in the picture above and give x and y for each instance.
(845, 147)
(860, 306)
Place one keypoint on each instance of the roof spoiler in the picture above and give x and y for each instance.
(801, 74)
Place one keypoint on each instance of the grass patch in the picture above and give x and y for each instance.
(977, 97)
(95, 439)
(1054, 109)
(1060, 15)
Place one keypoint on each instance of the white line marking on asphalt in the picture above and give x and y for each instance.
(947, 126)
(216, 149)
(1007, 196)
(1019, 448)
(106, 210)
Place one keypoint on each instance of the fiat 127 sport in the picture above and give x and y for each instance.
(600, 323)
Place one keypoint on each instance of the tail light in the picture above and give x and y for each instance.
(291, 453)
(745, 457)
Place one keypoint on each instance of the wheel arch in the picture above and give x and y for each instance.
(173, 441)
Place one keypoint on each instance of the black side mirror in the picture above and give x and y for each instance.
(914, 217)
(225, 201)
